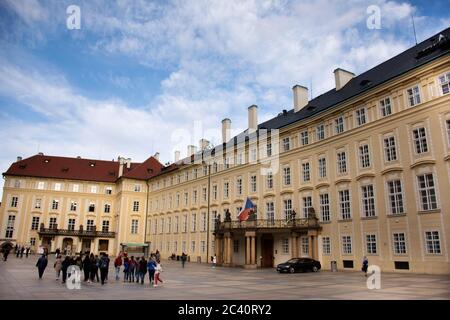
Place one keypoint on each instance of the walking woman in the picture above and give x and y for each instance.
(365, 265)
(132, 265)
(151, 266)
(158, 271)
(117, 265)
(41, 265)
(65, 265)
(86, 268)
(58, 266)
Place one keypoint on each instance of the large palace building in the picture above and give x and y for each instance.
(361, 170)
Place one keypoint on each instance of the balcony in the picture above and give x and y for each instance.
(75, 233)
(268, 224)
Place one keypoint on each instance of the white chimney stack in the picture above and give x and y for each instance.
(121, 161)
(156, 156)
(342, 77)
(177, 156)
(300, 97)
(19, 159)
(252, 117)
(128, 162)
(203, 144)
(191, 149)
(226, 130)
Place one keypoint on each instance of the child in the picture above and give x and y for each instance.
(158, 271)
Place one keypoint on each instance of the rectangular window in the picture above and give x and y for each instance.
(16, 183)
(215, 192)
(390, 151)
(307, 206)
(35, 223)
(14, 202)
(326, 246)
(342, 162)
(10, 226)
(444, 83)
(57, 186)
(93, 189)
(253, 183)
(177, 220)
(203, 246)
(399, 243)
(286, 144)
(339, 125)
(360, 116)
(32, 241)
(226, 189)
(55, 204)
(90, 225)
(413, 96)
(433, 243)
(194, 196)
(269, 149)
(304, 138)
(320, 130)
(287, 176)
(287, 209)
(71, 225)
(175, 246)
(41, 185)
(236, 246)
(324, 207)
(285, 246)
(52, 223)
(448, 131)
(368, 201)
(134, 226)
(347, 245)
(73, 206)
(105, 226)
(344, 204)
(322, 168)
(427, 193)
(371, 243)
(420, 140)
(239, 186)
(203, 222)
(192, 247)
(183, 246)
(364, 157)
(253, 155)
(270, 212)
(395, 196)
(204, 193)
(269, 180)
(108, 190)
(193, 222)
(91, 207)
(306, 172)
(135, 206)
(107, 208)
(385, 107)
(37, 204)
(305, 246)
(75, 188)
(186, 198)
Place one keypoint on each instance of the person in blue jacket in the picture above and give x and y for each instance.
(151, 265)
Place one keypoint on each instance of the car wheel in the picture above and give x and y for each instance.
(291, 270)
(315, 269)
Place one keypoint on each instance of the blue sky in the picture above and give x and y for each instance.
(141, 77)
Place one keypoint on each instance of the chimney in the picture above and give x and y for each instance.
(121, 161)
(41, 153)
(226, 130)
(128, 162)
(19, 159)
(191, 149)
(341, 77)
(252, 117)
(156, 156)
(300, 97)
(177, 156)
(203, 144)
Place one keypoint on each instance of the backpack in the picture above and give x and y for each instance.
(104, 264)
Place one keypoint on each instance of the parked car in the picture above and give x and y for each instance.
(299, 264)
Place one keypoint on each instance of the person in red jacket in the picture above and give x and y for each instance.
(117, 265)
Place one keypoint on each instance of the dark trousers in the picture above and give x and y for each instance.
(64, 271)
(151, 275)
(86, 274)
(41, 272)
(94, 274)
(103, 274)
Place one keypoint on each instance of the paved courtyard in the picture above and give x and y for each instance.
(19, 280)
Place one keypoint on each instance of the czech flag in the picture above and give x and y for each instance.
(245, 212)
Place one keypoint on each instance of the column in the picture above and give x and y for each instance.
(247, 250)
(250, 252)
(310, 246)
(294, 245)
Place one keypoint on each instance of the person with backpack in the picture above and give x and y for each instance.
(151, 266)
(41, 264)
(142, 269)
(104, 265)
(117, 265)
(133, 264)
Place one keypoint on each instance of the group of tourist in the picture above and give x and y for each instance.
(134, 270)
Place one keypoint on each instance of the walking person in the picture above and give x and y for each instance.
(104, 265)
(365, 265)
(214, 261)
(18, 251)
(64, 266)
(136, 271)
(57, 252)
(41, 264)
(157, 255)
(87, 268)
(151, 266)
(6, 253)
(27, 252)
(142, 269)
(132, 266)
(117, 265)
(126, 269)
(183, 259)
(158, 271)
(22, 250)
(58, 265)
(94, 268)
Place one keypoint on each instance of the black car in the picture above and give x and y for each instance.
(299, 264)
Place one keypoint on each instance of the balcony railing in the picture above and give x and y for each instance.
(76, 233)
(268, 224)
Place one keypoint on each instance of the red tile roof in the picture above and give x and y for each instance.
(44, 166)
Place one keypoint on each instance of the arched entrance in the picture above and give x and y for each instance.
(6, 246)
(67, 246)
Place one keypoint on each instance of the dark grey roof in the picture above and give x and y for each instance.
(414, 57)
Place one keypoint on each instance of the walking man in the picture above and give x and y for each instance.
(104, 265)
(183, 259)
(117, 264)
(365, 265)
(41, 265)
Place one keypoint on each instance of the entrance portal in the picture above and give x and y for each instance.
(267, 251)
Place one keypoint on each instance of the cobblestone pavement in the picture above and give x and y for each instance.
(19, 280)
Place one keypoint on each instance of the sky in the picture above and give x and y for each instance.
(140, 77)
